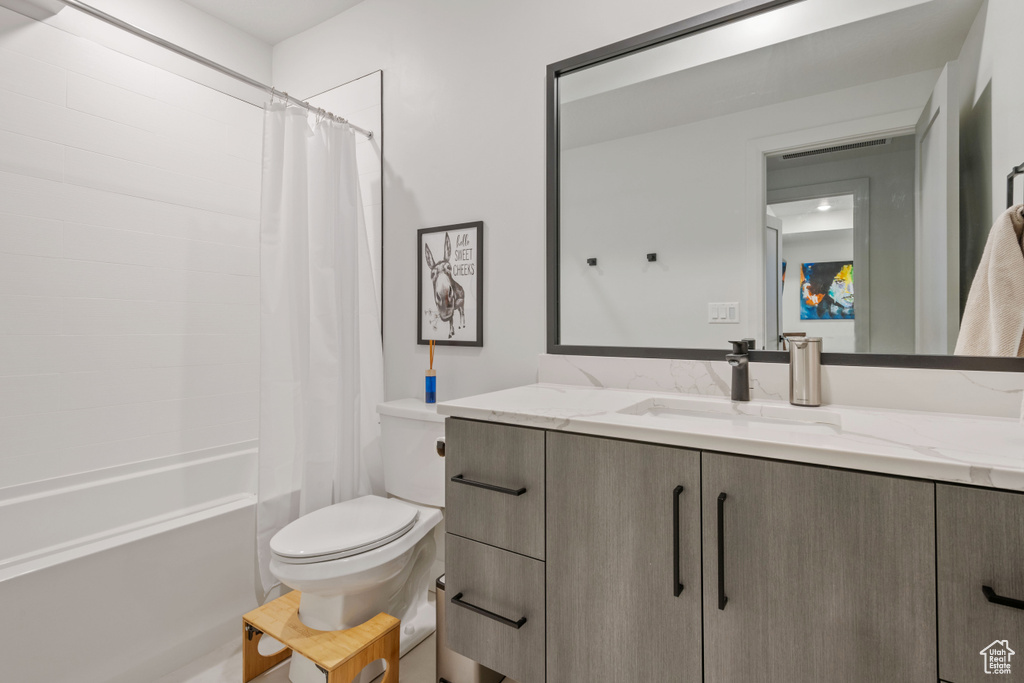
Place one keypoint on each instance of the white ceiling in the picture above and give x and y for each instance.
(273, 20)
(915, 39)
(804, 216)
(810, 206)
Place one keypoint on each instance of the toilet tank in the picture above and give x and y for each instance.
(409, 430)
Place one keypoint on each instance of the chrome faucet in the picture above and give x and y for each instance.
(739, 359)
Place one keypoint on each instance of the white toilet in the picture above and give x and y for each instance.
(369, 555)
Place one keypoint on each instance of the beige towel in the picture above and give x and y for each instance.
(993, 323)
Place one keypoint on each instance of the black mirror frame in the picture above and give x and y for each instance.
(702, 22)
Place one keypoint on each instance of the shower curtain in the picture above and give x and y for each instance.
(321, 367)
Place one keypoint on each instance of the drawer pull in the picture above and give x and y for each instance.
(459, 479)
(457, 600)
(722, 599)
(677, 585)
(994, 598)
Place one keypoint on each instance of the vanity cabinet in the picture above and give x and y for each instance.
(623, 561)
(494, 546)
(980, 544)
(658, 563)
(815, 574)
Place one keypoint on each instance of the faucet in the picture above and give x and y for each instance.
(740, 362)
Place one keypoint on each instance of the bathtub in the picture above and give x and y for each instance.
(127, 573)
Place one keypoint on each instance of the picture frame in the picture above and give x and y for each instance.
(450, 284)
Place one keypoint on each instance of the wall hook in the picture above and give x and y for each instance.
(1016, 171)
(591, 261)
(652, 257)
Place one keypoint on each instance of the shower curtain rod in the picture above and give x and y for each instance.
(177, 49)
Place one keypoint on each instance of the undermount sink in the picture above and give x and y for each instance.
(741, 414)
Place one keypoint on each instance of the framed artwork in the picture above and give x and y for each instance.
(826, 291)
(450, 285)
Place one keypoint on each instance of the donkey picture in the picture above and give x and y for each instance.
(449, 296)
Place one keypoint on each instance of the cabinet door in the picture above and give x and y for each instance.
(980, 543)
(616, 529)
(827, 575)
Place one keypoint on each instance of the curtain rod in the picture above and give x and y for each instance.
(220, 68)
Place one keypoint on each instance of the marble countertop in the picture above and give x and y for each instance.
(984, 451)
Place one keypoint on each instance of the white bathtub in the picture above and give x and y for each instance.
(127, 573)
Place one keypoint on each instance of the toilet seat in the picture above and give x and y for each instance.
(343, 530)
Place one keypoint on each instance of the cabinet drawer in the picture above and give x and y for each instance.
(495, 608)
(495, 485)
(980, 543)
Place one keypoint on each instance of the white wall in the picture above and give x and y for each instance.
(129, 331)
(464, 107)
(686, 189)
(172, 20)
(359, 102)
(992, 139)
(129, 291)
(998, 65)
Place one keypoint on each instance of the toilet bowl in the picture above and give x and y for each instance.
(355, 559)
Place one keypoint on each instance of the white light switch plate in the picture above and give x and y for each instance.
(724, 313)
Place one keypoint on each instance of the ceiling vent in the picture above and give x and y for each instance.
(837, 148)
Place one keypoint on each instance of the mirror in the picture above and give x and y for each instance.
(827, 167)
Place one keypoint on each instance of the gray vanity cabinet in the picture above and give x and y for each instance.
(494, 548)
(815, 574)
(980, 544)
(623, 561)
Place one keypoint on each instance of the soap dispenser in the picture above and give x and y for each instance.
(805, 371)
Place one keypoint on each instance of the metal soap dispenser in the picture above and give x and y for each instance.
(805, 371)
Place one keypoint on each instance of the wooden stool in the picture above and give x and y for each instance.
(340, 655)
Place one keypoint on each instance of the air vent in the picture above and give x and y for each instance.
(837, 148)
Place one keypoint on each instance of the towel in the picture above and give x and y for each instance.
(993, 323)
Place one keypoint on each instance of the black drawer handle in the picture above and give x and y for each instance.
(721, 551)
(457, 600)
(994, 598)
(677, 585)
(459, 479)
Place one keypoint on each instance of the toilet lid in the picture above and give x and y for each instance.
(344, 529)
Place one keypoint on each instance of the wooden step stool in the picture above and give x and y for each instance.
(340, 655)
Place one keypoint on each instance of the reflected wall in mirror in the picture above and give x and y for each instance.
(720, 150)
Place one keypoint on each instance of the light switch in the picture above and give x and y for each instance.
(724, 313)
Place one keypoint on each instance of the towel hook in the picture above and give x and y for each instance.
(1016, 171)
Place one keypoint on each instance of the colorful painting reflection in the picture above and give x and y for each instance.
(826, 291)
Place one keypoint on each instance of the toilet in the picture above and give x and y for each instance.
(372, 554)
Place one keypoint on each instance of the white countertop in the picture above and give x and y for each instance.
(985, 451)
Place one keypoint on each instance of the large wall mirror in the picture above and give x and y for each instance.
(826, 167)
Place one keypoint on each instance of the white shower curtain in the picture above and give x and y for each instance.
(321, 367)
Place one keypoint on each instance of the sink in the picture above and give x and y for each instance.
(738, 413)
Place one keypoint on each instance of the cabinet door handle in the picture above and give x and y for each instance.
(457, 600)
(459, 479)
(677, 585)
(994, 598)
(721, 551)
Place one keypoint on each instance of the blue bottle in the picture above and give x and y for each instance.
(431, 387)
